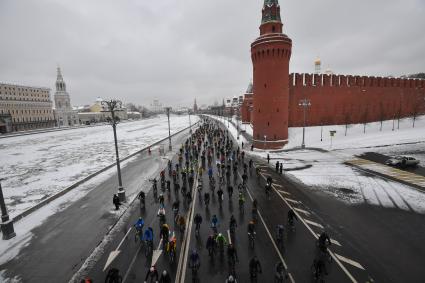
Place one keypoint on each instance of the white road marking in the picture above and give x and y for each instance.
(302, 211)
(230, 238)
(292, 200)
(284, 192)
(130, 267)
(335, 242)
(314, 223)
(181, 267)
(350, 261)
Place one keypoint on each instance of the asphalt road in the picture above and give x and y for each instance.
(63, 242)
(381, 158)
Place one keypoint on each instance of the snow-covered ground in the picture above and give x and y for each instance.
(324, 170)
(35, 167)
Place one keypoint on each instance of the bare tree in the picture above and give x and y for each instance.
(347, 121)
(416, 108)
(381, 115)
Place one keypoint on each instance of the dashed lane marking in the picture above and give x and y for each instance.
(349, 261)
(230, 238)
(292, 200)
(302, 211)
(314, 223)
(335, 242)
(284, 192)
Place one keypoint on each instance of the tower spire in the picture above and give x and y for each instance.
(60, 84)
(271, 12)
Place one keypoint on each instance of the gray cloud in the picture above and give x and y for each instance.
(178, 50)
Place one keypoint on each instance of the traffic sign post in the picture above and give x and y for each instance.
(332, 134)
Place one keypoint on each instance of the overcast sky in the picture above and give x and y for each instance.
(178, 50)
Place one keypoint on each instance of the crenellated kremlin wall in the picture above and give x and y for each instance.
(340, 99)
(346, 99)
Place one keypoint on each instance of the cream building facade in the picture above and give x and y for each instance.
(28, 107)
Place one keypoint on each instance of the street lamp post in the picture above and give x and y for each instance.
(6, 223)
(265, 141)
(190, 123)
(304, 103)
(113, 106)
(167, 109)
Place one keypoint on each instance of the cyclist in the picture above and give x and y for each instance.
(279, 233)
(241, 201)
(194, 260)
(291, 217)
(168, 185)
(161, 199)
(232, 224)
(250, 164)
(113, 276)
(210, 173)
(175, 207)
(171, 247)
(319, 268)
(197, 220)
(220, 195)
(141, 196)
(230, 191)
(280, 272)
(254, 267)
(232, 254)
(251, 232)
(221, 242)
(269, 181)
(268, 188)
(174, 174)
(165, 277)
(152, 274)
(206, 198)
(214, 222)
(230, 279)
(257, 171)
(324, 241)
(154, 184)
(165, 233)
(211, 245)
(148, 236)
(181, 222)
(139, 227)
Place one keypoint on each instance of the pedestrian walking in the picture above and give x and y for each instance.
(277, 166)
(116, 201)
(252, 147)
(268, 158)
(281, 168)
(113, 276)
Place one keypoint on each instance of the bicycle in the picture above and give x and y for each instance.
(148, 248)
(232, 264)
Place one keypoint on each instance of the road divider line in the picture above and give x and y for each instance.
(230, 238)
(314, 223)
(130, 267)
(181, 267)
(349, 261)
(302, 211)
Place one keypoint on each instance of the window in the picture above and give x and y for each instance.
(273, 28)
(268, 123)
(265, 85)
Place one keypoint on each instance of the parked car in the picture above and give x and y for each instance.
(402, 161)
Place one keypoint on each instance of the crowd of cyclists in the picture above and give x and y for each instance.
(196, 157)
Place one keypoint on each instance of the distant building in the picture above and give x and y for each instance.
(25, 107)
(96, 113)
(317, 66)
(156, 107)
(64, 114)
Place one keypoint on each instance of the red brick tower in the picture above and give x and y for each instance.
(270, 55)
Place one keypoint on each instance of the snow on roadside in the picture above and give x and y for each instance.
(38, 166)
(325, 172)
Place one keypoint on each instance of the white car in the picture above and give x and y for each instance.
(402, 161)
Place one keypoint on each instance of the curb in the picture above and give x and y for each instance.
(73, 186)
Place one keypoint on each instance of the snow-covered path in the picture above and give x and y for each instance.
(35, 167)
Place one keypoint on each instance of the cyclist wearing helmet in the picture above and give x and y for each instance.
(194, 260)
(165, 277)
(231, 279)
(152, 274)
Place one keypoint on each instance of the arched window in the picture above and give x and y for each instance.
(273, 29)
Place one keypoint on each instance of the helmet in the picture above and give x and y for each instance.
(164, 273)
(140, 218)
(231, 279)
(152, 269)
(194, 252)
(220, 235)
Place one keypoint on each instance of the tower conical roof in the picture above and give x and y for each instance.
(249, 89)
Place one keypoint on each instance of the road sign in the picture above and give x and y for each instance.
(332, 133)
